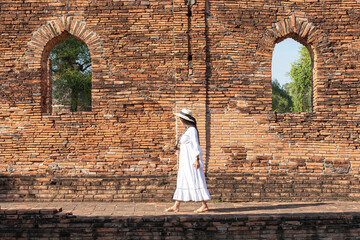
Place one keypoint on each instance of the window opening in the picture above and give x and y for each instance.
(70, 75)
(292, 78)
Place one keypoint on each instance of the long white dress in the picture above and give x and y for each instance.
(191, 184)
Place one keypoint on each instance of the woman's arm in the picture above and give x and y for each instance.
(196, 163)
(196, 150)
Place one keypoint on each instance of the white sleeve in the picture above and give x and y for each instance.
(196, 149)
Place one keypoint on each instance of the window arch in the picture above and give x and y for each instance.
(45, 38)
(297, 27)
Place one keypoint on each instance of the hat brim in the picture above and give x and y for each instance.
(183, 117)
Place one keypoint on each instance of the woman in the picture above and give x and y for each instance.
(191, 184)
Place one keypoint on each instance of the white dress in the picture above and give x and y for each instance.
(191, 184)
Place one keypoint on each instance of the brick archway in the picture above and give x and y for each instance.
(42, 37)
(297, 27)
(46, 37)
(296, 24)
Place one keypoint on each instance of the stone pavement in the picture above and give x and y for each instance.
(157, 209)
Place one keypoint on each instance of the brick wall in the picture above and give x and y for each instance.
(151, 59)
(55, 224)
(224, 187)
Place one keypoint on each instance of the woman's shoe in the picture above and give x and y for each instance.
(172, 209)
(201, 210)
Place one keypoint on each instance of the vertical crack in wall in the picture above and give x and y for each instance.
(188, 32)
(175, 81)
(207, 79)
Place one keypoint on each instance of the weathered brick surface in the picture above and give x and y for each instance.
(152, 58)
(55, 224)
(227, 187)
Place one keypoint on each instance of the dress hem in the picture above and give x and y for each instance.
(191, 200)
(196, 195)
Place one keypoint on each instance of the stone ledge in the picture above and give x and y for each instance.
(52, 223)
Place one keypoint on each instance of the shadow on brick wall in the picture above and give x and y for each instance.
(6, 186)
(222, 187)
(17, 188)
(86, 188)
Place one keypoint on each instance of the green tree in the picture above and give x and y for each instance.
(300, 86)
(71, 73)
(281, 100)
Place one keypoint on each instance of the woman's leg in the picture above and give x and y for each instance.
(204, 207)
(177, 204)
(174, 208)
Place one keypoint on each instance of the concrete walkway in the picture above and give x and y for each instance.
(157, 209)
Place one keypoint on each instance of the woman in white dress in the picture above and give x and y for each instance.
(191, 184)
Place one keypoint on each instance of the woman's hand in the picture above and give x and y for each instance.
(197, 164)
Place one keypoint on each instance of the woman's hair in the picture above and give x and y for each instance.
(191, 124)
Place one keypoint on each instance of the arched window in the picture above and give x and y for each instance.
(292, 77)
(66, 75)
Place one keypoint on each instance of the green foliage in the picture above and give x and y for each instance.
(71, 73)
(301, 84)
(297, 95)
(281, 100)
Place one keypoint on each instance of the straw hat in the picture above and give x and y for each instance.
(186, 114)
